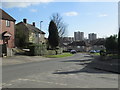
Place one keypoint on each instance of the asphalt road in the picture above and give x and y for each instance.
(69, 72)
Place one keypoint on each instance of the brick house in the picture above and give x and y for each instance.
(7, 29)
(30, 33)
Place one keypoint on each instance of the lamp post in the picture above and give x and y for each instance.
(40, 24)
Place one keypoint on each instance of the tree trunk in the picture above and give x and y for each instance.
(56, 52)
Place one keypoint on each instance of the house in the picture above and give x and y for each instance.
(64, 41)
(97, 44)
(80, 46)
(28, 33)
(7, 30)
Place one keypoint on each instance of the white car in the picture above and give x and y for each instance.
(73, 51)
(92, 51)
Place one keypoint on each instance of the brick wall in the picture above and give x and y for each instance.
(10, 30)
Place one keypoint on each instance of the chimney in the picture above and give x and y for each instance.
(25, 21)
(34, 24)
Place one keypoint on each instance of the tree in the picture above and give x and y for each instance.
(119, 42)
(111, 43)
(61, 26)
(20, 37)
(53, 37)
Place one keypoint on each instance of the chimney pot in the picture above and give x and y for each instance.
(33, 23)
(25, 21)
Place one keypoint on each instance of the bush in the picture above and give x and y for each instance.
(37, 49)
(102, 52)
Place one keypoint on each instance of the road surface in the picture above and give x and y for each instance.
(68, 72)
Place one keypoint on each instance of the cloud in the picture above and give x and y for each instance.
(33, 10)
(71, 13)
(16, 4)
(102, 15)
(21, 3)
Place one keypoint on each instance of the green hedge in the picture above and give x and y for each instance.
(37, 49)
(41, 49)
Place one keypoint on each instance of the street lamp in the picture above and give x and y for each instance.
(40, 24)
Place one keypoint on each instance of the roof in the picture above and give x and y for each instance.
(5, 16)
(98, 42)
(31, 27)
(78, 43)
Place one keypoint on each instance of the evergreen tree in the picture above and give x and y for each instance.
(53, 37)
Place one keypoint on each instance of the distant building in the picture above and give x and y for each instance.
(71, 39)
(92, 36)
(78, 36)
(80, 46)
(64, 41)
(97, 44)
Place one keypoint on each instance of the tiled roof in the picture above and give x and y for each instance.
(98, 42)
(5, 16)
(78, 43)
(31, 27)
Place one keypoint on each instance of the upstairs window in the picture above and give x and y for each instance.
(7, 23)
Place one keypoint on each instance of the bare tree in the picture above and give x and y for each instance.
(61, 26)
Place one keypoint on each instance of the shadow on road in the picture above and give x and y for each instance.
(84, 60)
(87, 67)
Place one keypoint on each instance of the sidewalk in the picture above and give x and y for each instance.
(111, 65)
(22, 59)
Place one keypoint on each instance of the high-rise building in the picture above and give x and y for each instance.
(79, 36)
(92, 36)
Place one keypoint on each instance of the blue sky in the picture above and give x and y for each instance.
(88, 17)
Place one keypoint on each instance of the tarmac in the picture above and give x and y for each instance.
(110, 65)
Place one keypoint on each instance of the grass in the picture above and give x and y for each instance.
(59, 55)
(95, 53)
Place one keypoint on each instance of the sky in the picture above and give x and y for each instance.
(88, 17)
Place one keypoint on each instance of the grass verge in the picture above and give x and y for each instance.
(97, 53)
(59, 55)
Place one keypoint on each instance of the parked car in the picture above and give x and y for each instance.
(97, 51)
(92, 51)
(73, 51)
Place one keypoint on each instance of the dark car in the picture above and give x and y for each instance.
(73, 51)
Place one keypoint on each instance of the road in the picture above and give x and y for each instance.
(68, 72)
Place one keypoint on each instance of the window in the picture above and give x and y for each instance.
(7, 23)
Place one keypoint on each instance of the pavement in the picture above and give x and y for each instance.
(20, 59)
(110, 65)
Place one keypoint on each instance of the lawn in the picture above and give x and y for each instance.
(59, 55)
(97, 53)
